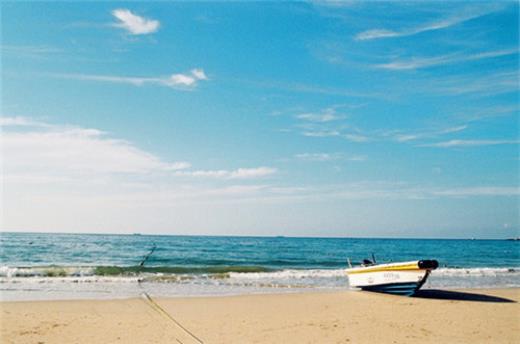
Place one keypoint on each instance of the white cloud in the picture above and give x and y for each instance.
(407, 137)
(321, 133)
(428, 134)
(246, 173)
(415, 63)
(66, 153)
(399, 190)
(318, 156)
(496, 83)
(311, 89)
(327, 157)
(134, 24)
(29, 51)
(188, 80)
(471, 143)
(375, 34)
(424, 62)
(73, 152)
(240, 173)
(199, 74)
(19, 121)
(479, 191)
(453, 129)
(361, 136)
(327, 115)
(437, 25)
(182, 81)
(356, 137)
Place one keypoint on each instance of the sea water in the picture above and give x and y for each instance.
(68, 266)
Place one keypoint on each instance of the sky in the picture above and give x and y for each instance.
(345, 119)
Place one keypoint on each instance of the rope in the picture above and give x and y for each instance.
(167, 315)
(158, 308)
(147, 256)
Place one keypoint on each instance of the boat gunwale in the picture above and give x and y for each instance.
(405, 266)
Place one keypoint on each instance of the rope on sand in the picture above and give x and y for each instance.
(158, 308)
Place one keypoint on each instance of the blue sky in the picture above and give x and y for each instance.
(355, 118)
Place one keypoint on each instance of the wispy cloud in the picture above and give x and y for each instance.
(357, 137)
(375, 190)
(486, 113)
(421, 135)
(479, 191)
(247, 173)
(324, 123)
(320, 133)
(240, 173)
(310, 89)
(425, 62)
(334, 3)
(440, 24)
(407, 137)
(316, 126)
(20, 121)
(182, 81)
(324, 157)
(455, 129)
(489, 84)
(318, 156)
(35, 51)
(470, 143)
(134, 24)
(327, 115)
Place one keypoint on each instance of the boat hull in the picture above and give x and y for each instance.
(397, 278)
(405, 289)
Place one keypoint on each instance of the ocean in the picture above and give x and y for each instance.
(38, 266)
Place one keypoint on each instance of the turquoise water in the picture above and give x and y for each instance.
(203, 265)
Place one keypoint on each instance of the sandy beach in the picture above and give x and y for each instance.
(435, 316)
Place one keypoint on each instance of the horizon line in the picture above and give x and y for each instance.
(257, 236)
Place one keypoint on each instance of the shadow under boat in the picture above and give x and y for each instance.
(459, 296)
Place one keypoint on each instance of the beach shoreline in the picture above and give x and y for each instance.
(434, 316)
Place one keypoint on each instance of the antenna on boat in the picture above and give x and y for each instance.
(373, 258)
(349, 263)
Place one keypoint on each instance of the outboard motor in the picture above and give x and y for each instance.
(428, 264)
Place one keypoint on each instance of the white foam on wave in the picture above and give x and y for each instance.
(36, 283)
(45, 271)
(476, 272)
(290, 274)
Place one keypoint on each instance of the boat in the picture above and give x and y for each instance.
(403, 278)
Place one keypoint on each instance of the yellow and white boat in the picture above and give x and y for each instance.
(403, 278)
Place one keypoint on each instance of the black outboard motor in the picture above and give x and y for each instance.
(428, 264)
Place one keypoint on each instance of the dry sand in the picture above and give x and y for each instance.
(468, 316)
